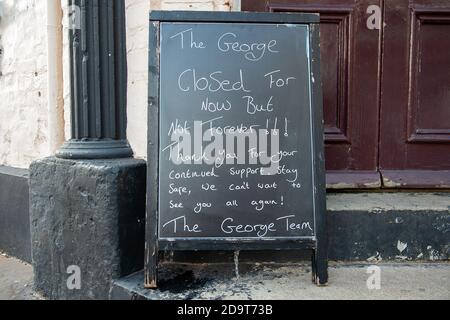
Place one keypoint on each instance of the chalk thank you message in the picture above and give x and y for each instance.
(236, 144)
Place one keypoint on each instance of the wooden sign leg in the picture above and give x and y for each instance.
(151, 268)
(321, 252)
(322, 273)
(151, 241)
(314, 266)
(321, 266)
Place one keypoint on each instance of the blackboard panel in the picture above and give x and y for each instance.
(207, 78)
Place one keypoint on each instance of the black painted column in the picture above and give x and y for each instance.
(98, 82)
(87, 208)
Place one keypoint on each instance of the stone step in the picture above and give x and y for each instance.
(291, 281)
(389, 226)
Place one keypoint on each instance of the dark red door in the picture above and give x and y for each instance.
(386, 90)
(415, 96)
(350, 69)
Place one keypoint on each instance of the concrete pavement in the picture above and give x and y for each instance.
(414, 281)
(290, 281)
(16, 280)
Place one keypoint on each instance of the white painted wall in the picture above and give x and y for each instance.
(137, 48)
(23, 83)
(203, 5)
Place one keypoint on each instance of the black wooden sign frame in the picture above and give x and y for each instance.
(318, 244)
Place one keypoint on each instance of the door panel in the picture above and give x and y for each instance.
(350, 68)
(415, 108)
(386, 93)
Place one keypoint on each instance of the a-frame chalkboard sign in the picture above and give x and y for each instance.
(235, 139)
